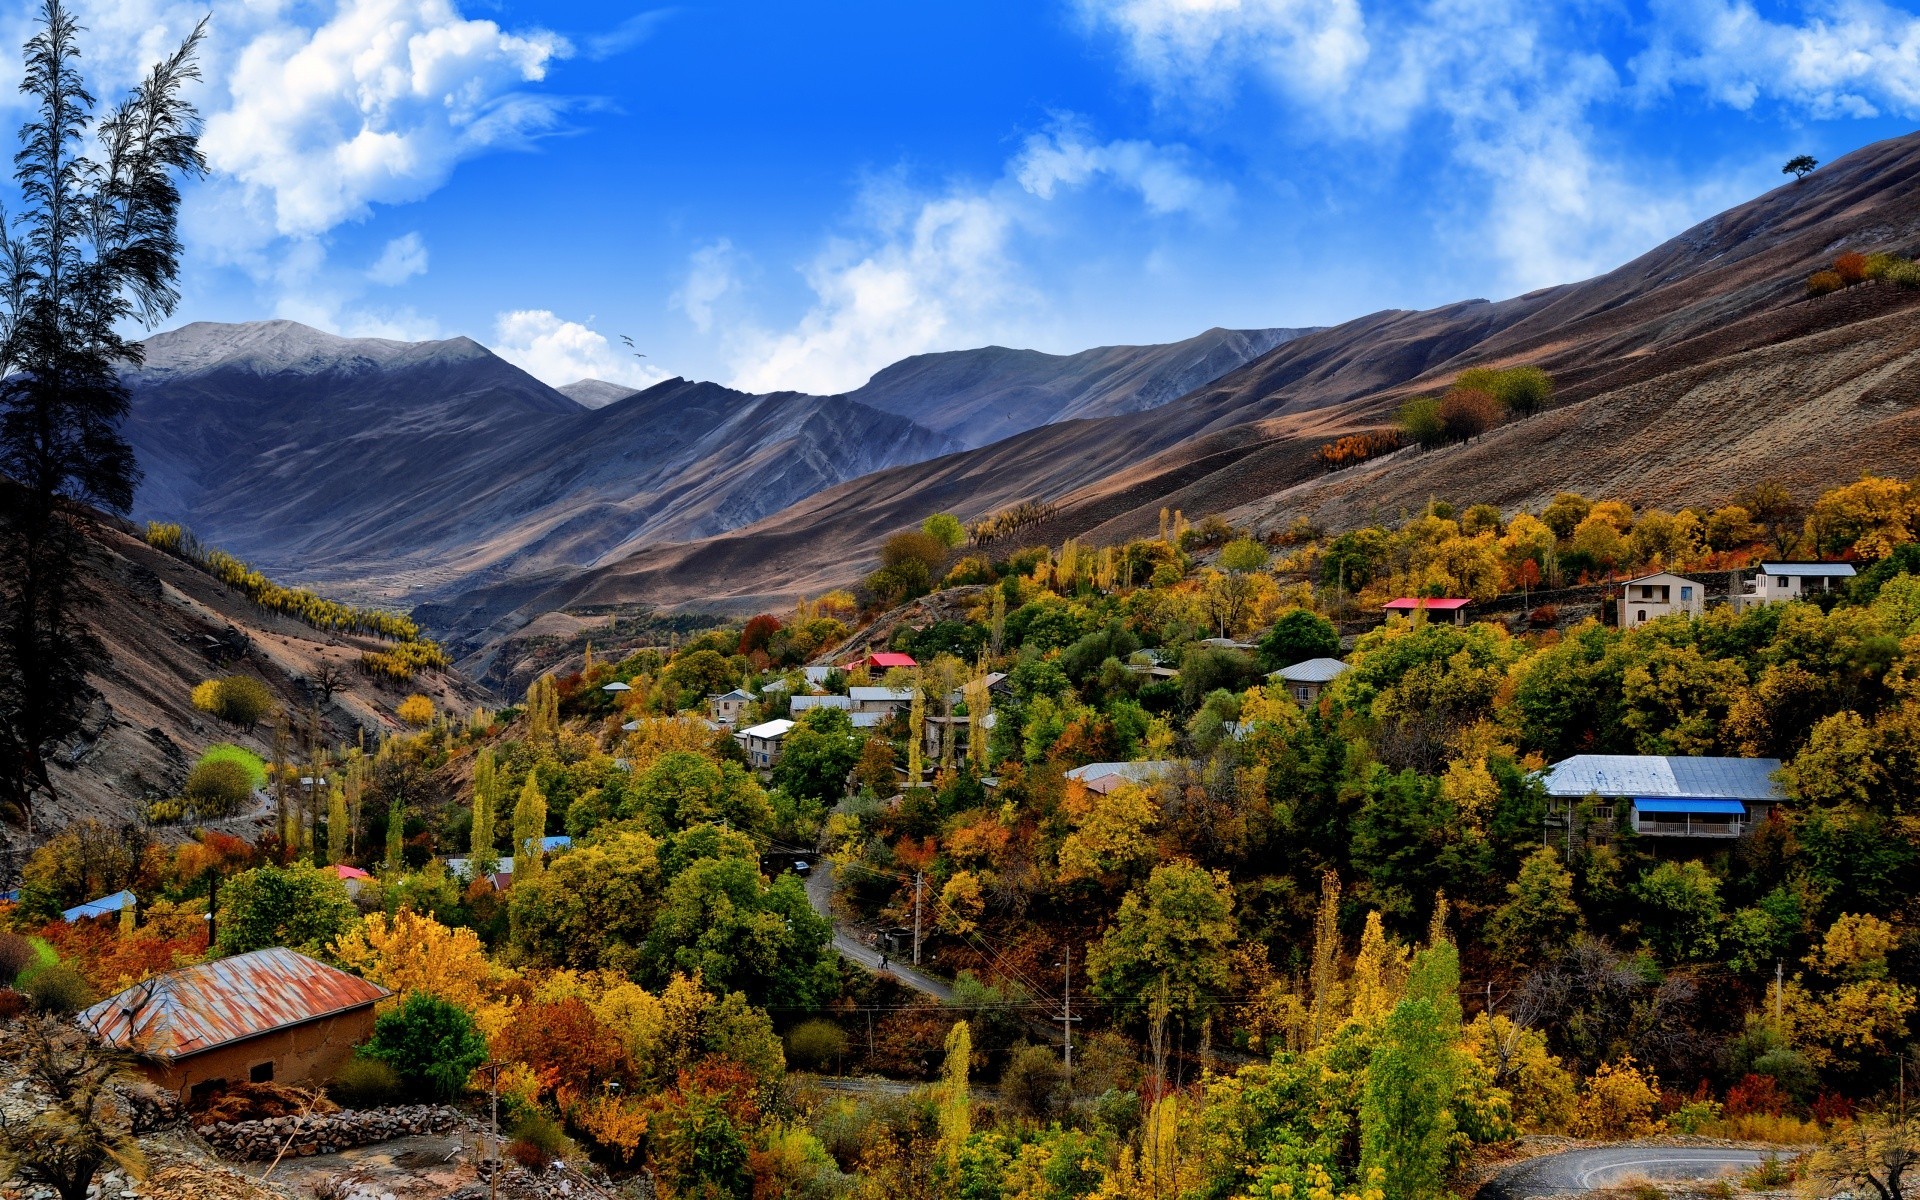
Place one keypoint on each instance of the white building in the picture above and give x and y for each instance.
(762, 742)
(1775, 582)
(1651, 597)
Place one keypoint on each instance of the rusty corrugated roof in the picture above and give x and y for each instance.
(193, 1009)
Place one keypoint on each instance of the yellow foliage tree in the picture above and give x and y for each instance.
(1620, 1102)
(412, 952)
(416, 710)
(961, 903)
(1110, 832)
(1379, 975)
(1516, 1059)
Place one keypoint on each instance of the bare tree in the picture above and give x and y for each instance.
(1873, 1154)
(83, 1122)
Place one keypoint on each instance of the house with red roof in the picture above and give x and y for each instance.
(886, 660)
(1408, 606)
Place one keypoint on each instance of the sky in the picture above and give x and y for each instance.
(791, 196)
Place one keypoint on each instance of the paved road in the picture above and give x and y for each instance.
(820, 895)
(1585, 1170)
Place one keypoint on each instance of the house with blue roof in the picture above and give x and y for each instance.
(105, 906)
(1665, 796)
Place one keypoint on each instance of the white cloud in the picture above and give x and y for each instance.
(1200, 47)
(375, 105)
(404, 257)
(559, 352)
(712, 277)
(1849, 58)
(1066, 156)
(938, 272)
(626, 35)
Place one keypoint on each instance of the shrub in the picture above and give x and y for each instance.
(1420, 422)
(1357, 448)
(1851, 267)
(1831, 1108)
(1755, 1094)
(415, 710)
(1468, 413)
(56, 988)
(1771, 1175)
(363, 1082)
(537, 1141)
(430, 1043)
(1879, 264)
(1033, 1082)
(814, 1044)
(218, 787)
(166, 812)
(16, 955)
(239, 700)
(1619, 1102)
(1904, 274)
(1821, 283)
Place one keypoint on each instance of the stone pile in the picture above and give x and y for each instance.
(304, 1136)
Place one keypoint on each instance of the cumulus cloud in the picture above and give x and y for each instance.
(559, 352)
(1200, 48)
(375, 105)
(403, 258)
(1066, 156)
(712, 278)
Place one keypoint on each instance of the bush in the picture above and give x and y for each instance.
(537, 1141)
(1851, 267)
(415, 710)
(1034, 1082)
(16, 955)
(1619, 1103)
(1357, 448)
(1904, 274)
(56, 988)
(1467, 413)
(238, 700)
(218, 787)
(812, 1045)
(1821, 283)
(247, 759)
(1420, 422)
(1770, 1176)
(365, 1083)
(430, 1043)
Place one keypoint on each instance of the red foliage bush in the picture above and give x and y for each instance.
(528, 1155)
(1468, 412)
(12, 1004)
(1830, 1108)
(569, 1049)
(1544, 617)
(1756, 1095)
(1357, 448)
(1851, 267)
(758, 633)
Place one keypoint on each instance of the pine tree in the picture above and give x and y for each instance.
(529, 828)
(485, 859)
(93, 251)
(336, 823)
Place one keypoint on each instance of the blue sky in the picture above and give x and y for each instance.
(784, 195)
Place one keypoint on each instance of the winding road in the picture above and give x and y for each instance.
(820, 896)
(1576, 1171)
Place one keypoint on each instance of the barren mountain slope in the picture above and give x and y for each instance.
(1676, 350)
(980, 396)
(168, 625)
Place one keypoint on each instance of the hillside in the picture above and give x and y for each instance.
(1684, 375)
(980, 396)
(167, 625)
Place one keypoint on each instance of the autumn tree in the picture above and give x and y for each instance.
(1173, 931)
(1540, 916)
(1874, 1153)
(484, 859)
(302, 907)
(416, 710)
(81, 1121)
(529, 831)
(1407, 1123)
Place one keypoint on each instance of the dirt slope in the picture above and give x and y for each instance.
(1684, 375)
(167, 625)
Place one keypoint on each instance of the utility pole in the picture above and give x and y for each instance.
(1066, 1010)
(918, 878)
(493, 1127)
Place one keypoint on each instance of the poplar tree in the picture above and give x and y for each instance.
(956, 1118)
(484, 859)
(93, 250)
(529, 827)
(396, 833)
(336, 824)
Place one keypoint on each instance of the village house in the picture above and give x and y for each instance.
(1651, 597)
(1104, 777)
(270, 1016)
(1412, 606)
(1305, 681)
(959, 728)
(105, 906)
(725, 708)
(800, 704)
(1775, 582)
(880, 662)
(883, 700)
(1660, 796)
(762, 742)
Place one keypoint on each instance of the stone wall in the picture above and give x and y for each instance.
(260, 1141)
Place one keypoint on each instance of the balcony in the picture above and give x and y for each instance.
(1689, 826)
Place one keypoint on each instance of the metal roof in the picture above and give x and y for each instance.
(1409, 603)
(803, 703)
(194, 1009)
(1668, 777)
(617, 686)
(103, 907)
(889, 658)
(867, 720)
(1314, 670)
(1646, 804)
(735, 694)
(1809, 570)
(769, 729)
(880, 693)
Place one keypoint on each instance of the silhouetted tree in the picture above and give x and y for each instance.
(94, 248)
(1800, 165)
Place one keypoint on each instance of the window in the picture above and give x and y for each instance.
(1686, 594)
(262, 1073)
(1641, 615)
(205, 1091)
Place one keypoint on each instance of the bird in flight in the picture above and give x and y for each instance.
(630, 346)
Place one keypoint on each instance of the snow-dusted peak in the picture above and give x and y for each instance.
(288, 347)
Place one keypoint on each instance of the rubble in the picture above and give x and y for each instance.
(325, 1133)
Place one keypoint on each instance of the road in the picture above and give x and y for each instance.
(820, 895)
(1586, 1170)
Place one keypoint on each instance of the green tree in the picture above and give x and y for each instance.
(1540, 917)
(1680, 908)
(817, 755)
(944, 528)
(430, 1043)
(336, 824)
(684, 788)
(1177, 928)
(529, 830)
(592, 909)
(484, 859)
(301, 907)
(218, 787)
(1243, 555)
(1420, 422)
(720, 920)
(1407, 1123)
(1299, 634)
(1800, 166)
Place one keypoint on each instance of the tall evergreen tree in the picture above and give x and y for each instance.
(94, 248)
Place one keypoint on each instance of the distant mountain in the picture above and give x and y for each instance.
(596, 393)
(397, 471)
(982, 396)
(1692, 371)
